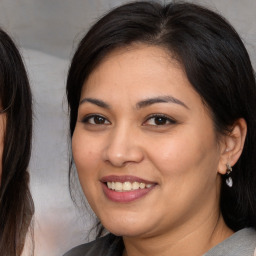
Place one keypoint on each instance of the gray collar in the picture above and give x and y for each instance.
(241, 243)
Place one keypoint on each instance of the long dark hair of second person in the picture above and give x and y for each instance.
(16, 205)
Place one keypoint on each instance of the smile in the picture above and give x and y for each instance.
(125, 189)
(127, 186)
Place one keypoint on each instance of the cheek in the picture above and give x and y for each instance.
(84, 160)
(86, 154)
(186, 154)
(188, 169)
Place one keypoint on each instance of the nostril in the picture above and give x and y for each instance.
(121, 156)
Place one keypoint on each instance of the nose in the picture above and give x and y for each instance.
(123, 147)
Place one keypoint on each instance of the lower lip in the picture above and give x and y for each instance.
(126, 196)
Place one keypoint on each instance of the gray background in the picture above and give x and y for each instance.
(55, 26)
(47, 31)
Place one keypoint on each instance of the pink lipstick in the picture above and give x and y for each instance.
(125, 189)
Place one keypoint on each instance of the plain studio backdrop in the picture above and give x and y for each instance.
(47, 31)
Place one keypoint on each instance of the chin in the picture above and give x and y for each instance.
(128, 221)
(126, 228)
(126, 232)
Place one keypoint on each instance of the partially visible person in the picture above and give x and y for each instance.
(16, 204)
(163, 124)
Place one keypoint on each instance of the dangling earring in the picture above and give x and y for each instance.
(229, 180)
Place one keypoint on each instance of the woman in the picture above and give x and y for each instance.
(163, 120)
(16, 205)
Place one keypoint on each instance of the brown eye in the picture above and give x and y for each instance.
(99, 120)
(158, 120)
(95, 120)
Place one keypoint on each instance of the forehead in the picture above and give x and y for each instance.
(135, 64)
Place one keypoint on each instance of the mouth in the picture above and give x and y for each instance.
(125, 188)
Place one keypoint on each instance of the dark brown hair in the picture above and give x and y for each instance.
(16, 205)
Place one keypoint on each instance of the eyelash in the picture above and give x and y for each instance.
(86, 120)
(164, 118)
(102, 120)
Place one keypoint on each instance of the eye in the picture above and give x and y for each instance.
(158, 120)
(95, 120)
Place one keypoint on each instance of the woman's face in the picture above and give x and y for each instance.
(144, 145)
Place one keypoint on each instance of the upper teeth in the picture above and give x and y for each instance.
(127, 186)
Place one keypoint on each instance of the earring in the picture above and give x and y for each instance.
(229, 180)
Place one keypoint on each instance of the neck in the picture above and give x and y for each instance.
(185, 241)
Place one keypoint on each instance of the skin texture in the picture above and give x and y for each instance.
(178, 153)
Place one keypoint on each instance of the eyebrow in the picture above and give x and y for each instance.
(160, 99)
(140, 104)
(97, 102)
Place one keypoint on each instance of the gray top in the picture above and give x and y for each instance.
(241, 243)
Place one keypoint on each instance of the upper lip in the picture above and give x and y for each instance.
(124, 178)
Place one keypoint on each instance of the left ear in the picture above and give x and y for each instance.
(232, 145)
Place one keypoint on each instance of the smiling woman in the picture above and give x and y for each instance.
(162, 107)
(16, 205)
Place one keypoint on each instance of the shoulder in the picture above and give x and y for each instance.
(107, 245)
(241, 243)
